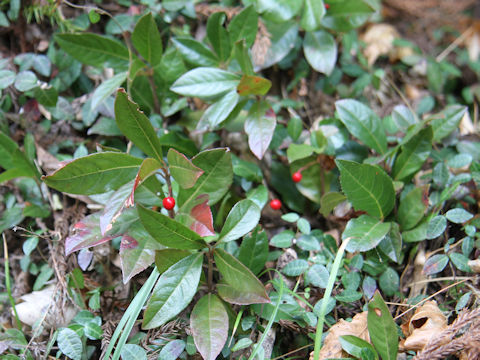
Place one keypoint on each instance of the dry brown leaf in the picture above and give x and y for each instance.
(466, 125)
(379, 39)
(474, 265)
(357, 327)
(472, 43)
(427, 322)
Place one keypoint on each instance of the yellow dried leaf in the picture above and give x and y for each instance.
(427, 322)
(379, 39)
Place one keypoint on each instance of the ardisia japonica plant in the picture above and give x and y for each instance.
(181, 238)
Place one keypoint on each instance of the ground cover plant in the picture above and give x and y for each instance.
(253, 180)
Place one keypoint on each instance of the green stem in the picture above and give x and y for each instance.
(326, 298)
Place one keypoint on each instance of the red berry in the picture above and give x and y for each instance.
(275, 204)
(297, 176)
(169, 203)
(327, 6)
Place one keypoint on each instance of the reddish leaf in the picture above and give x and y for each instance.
(253, 85)
(113, 208)
(198, 216)
(87, 234)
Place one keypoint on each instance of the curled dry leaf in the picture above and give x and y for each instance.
(427, 323)
(379, 39)
(474, 265)
(332, 347)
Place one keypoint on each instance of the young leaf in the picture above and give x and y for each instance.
(136, 126)
(413, 154)
(242, 218)
(242, 287)
(254, 251)
(218, 35)
(253, 85)
(195, 53)
(366, 232)
(147, 40)
(205, 83)
(382, 328)
(259, 126)
(216, 178)
(412, 208)
(169, 232)
(320, 50)
(244, 26)
(174, 291)
(209, 325)
(367, 187)
(182, 169)
(93, 49)
(313, 12)
(94, 174)
(362, 123)
(137, 251)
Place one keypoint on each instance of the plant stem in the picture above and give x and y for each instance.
(7, 283)
(210, 269)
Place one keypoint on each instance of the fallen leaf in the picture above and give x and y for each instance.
(474, 265)
(427, 323)
(379, 39)
(472, 43)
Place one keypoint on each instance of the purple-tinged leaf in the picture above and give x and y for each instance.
(435, 264)
(209, 324)
(259, 126)
(172, 350)
(87, 234)
(114, 206)
(137, 251)
(242, 286)
(182, 169)
(199, 217)
(84, 258)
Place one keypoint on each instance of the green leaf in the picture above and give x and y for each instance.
(447, 121)
(283, 35)
(169, 232)
(93, 16)
(320, 50)
(294, 128)
(216, 178)
(133, 351)
(242, 287)
(436, 226)
(26, 80)
(317, 275)
(14, 160)
(413, 154)
(260, 126)
(434, 264)
(329, 201)
(391, 245)
(362, 123)
(241, 344)
(458, 215)
(7, 78)
(219, 110)
(147, 39)
(254, 251)
(295, 267)
(174, 291)
(344, 16)
(253, 85)
(205, 83)
(47, 96)
(412, 208)
(389, 282)
(244, 26)
(136, 126)
(243, 217)
(70, 344)
(93, 49)
(107, 88)
(94, 174)
(182, 169)
(382, 328)
(174, 5)
(278, 10)
(367, 187)
(209, 325)
(195, 53)
(218, 35)
(366, 233)
(403, 117)
(299, 151)
(354, 346)
(172, 350)
(460, 261)
(167, 257)
(313, 12)
(243, 57)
